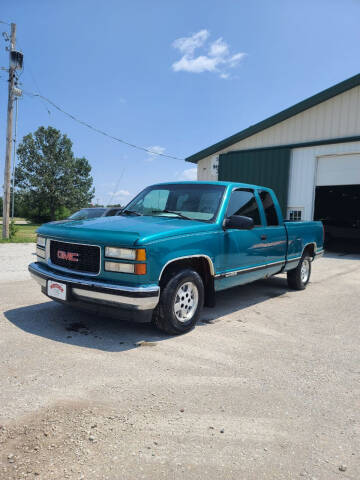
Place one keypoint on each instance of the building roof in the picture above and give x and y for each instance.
(279, 117)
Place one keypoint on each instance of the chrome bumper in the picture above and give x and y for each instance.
(93, 291)
(319, 254)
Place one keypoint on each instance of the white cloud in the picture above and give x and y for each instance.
(154, 152)
(217, 59)
(195, 65)
(188, 174)
(187, 45)
(218, 48)
(235, 59)
(120, 193)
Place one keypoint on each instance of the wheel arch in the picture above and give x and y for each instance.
(202, 264)
(311, 248)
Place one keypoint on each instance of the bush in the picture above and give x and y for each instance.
(13, 228)
(43, 217)
(62, 212)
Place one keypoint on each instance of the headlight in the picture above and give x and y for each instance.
(40, 252)
(41, 241)
(138, 254)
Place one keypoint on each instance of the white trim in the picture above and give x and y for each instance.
(229, 273)
(210, 262)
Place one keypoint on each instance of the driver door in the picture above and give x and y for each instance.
(242, 249)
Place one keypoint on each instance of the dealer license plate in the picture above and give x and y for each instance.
(56, 289)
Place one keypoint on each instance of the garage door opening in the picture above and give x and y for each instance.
(338, 207)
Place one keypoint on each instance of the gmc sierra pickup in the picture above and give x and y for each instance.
(171, 248)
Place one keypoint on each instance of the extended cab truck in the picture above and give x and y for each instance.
(172, 248)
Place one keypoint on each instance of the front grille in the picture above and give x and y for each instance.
(77, 257)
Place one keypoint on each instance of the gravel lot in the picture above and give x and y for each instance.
(266, 387)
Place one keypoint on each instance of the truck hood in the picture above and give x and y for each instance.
(123, 231)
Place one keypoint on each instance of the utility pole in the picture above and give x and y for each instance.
(14, 162)
(7, 174)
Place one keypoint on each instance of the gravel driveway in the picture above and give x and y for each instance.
(266, 387)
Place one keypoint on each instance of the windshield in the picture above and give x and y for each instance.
(186, 201)
(87, 213)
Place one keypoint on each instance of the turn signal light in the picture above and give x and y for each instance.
(141, 255)
(140, 268)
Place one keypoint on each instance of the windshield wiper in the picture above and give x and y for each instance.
(172, 211)
(131, 212)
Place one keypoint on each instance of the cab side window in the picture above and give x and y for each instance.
(269, 208)
(243, 202)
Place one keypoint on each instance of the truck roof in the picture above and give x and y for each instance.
(226, 184)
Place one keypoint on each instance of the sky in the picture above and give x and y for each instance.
(171, 76)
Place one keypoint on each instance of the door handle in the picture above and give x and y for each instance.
(263, 237)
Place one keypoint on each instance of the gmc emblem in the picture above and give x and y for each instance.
(69, 256)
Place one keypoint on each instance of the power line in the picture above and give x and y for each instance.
(33, 80)
(95, 129)
(116, 187)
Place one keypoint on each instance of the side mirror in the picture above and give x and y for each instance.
(239, 222)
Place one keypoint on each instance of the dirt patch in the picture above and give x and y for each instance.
(54, 443)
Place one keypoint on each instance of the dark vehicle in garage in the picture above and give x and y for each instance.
(338, 207)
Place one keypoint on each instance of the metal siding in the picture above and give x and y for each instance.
(322, 121)
(303, 167)
(268, 168)
(319, 98)
(205, 170)
(335, 118)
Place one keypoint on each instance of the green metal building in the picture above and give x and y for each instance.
(309, 154)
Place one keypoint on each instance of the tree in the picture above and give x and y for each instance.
(49, 178)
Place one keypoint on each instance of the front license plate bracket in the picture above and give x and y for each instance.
(56, 289)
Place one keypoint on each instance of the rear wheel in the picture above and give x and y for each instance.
(300, 276)
(181, 302)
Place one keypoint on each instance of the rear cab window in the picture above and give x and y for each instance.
(271, 215)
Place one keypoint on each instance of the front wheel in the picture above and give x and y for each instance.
(300, 276)
(181, 302)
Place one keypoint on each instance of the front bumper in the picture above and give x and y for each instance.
(94, 291)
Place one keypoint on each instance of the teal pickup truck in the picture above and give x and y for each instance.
(163, 257)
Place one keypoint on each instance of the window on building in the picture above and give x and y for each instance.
(243, 202)
(295, 214)
(269, 208)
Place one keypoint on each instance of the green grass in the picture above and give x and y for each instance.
(24, 234)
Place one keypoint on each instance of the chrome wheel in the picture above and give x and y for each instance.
(186, 301)
(305, 270)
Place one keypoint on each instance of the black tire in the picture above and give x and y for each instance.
(297, 279)
(164, 316)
